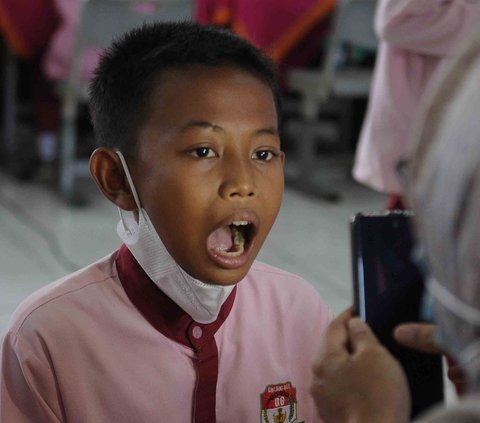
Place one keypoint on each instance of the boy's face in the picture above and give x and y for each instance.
(209, 170)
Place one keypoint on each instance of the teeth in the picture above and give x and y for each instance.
(240, 223)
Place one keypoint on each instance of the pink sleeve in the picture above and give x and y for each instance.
(432, 27)
(56, 62)
(28, 389)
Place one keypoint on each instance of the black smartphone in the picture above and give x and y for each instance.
(388, 289)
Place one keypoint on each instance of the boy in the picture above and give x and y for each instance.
(180, 324)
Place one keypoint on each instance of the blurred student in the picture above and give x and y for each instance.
(415, 38)
(27, 29)
(356, 379)
(290, 32)
(181, 324)
(41, 33)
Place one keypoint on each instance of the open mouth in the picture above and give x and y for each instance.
(231, 240)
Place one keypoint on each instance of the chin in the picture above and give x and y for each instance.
(224, 277)
(217, 273)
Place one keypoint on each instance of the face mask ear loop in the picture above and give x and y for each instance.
(131, 185)
(125, 228)
(470, 353)
(452, 303)
(129, 178)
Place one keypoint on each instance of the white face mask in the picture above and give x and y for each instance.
(468, 355)
(200, 300)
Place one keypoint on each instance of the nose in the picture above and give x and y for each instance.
(238, 181)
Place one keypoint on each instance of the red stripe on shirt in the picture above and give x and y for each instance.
(172, 321)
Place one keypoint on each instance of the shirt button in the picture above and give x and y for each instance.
(197, 332)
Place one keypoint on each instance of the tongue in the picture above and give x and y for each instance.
(220, 239)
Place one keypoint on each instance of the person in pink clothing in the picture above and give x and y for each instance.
(416, 38)
(181, 324)
(356, 378)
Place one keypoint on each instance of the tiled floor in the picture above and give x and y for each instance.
(42, 239)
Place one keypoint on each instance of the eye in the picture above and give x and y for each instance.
(203, 152)
(264, 155)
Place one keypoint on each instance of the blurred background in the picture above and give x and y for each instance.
(52, 219)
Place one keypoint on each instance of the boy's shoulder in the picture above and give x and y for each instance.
(282, 298)
(273, 275)
(264, 280)
(57, 297)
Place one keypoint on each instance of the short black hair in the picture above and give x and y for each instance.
(129, 68)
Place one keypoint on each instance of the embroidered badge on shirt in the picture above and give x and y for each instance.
(279, 404)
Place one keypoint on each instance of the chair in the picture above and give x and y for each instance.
(101, 21)
(353, 27)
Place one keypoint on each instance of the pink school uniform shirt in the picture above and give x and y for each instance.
(416, 37)
(106, 345)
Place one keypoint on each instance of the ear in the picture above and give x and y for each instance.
(107, 171)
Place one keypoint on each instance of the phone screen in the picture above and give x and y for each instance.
(388, 290)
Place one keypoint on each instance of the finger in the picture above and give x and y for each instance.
(336, 336)
(417, 336)
(345, 314)
(360, 335)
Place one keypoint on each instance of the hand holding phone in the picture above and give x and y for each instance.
(388, 290)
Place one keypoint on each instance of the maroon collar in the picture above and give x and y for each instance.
(159, 310)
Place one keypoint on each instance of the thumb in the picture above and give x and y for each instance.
(360, 335)
(419, 336)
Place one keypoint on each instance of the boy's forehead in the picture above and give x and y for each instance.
(194, 83)
(200, 73)
(206, 97)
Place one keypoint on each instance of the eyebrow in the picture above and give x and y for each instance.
(208, 125)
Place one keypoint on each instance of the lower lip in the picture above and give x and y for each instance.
(226, 262)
